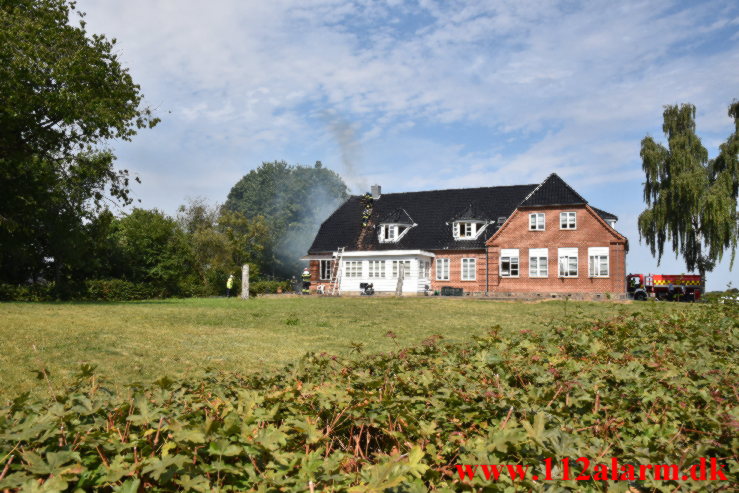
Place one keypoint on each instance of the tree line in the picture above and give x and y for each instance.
(65, 95)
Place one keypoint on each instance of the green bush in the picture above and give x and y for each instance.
(270, 287)
(645, 388)
(728, 296)
(27, 292)
(120, 290)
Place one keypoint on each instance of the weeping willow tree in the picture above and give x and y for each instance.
(691, 200)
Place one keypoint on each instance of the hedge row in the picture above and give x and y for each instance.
(270, 287)
(121, 290)
(96, 290)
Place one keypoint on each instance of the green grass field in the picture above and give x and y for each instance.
(141, 341)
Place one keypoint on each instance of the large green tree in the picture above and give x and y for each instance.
(149, 247)
(221, 241)
(294, 201)
(63, 94)
(691, 199)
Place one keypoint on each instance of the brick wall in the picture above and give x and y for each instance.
(314, 267)
(591, 232)
(455, 270)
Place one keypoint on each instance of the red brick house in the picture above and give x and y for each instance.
(543, 239)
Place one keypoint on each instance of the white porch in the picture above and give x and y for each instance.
(381, 268)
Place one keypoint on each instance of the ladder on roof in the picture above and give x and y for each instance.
(335, 283)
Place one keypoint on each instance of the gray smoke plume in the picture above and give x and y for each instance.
(350, 145)
(299, 237)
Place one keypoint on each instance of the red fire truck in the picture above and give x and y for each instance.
(664, 287)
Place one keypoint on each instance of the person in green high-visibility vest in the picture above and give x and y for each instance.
(229, 285)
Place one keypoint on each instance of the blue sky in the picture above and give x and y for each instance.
(422, 95)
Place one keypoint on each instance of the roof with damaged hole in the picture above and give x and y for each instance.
(433, 213)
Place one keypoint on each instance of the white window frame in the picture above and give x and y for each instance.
(509, 256)
(537, 221)
(353, 269)
(568, 220)
(424, 269)
(443, 273)
(569, 254)
(392, 233)
(595, 258)
(376, 269)
(466, 271)
(472, 229)
(321, 264)
(396, 269)
(538, 262)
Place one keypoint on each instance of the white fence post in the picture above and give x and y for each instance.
(245, 282)
(401, 276)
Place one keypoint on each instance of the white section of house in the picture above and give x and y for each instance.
(381, 269)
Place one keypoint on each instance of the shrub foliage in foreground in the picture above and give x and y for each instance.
(647, 389)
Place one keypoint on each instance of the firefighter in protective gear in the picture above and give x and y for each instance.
(306, 281)
(229, 285)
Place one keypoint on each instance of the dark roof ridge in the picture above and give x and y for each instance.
(603, 213)
(453, 189)
(544, 192)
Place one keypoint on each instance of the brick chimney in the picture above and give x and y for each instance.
(376, 191)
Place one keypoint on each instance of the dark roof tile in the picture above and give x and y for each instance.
(398, 216)
(553, 191)
(605, 215)
(434, 212)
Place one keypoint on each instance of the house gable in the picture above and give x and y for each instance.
(552, 222)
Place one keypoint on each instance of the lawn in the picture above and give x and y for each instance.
(141, 341)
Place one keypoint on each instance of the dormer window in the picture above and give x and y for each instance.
(391, 233)
(394, 226)
(467, 229)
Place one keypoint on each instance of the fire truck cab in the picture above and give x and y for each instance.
(665, 287)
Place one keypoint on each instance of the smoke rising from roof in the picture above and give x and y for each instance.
(350, 146)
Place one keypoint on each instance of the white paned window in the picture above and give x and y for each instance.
(536, 221)
(567, 220)
(509, 262)
(406, 269)
(567, 262)
(325, 269)
(442, 269)
(390, 233)
(469, 269)
(538, 262)
(353, 269)
(376, 269)
(424, 266)
(598, 261)
(466, 229)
